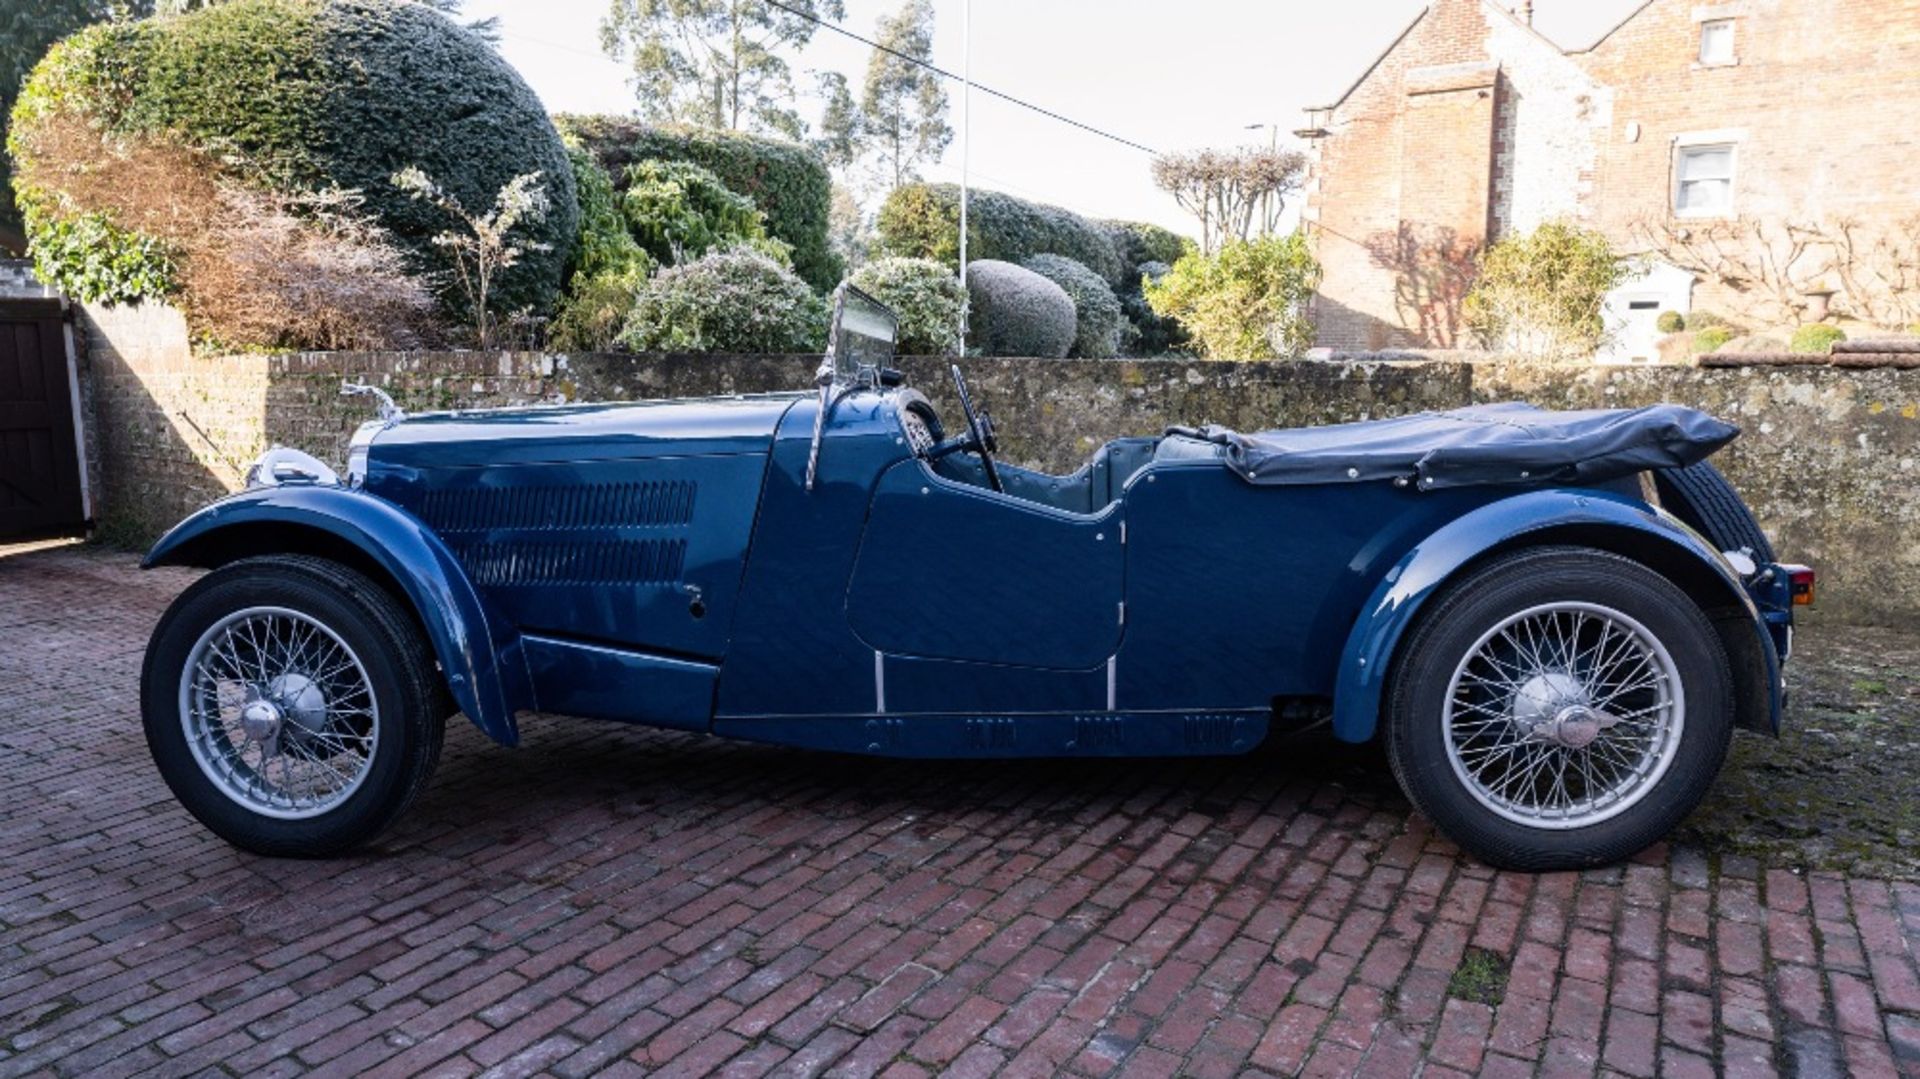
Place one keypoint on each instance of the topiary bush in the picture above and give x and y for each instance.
(1139, 242)
(1711, 338)
(925, 296)
(1099, 324)
(312, 95)
(735, 300)
(923, 221)
(788, 182)
(1816, 337)
(1670, 322)
(1013, 311)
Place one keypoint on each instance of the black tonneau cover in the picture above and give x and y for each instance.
(1511, 443)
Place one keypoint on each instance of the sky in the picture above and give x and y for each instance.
(1170, 76)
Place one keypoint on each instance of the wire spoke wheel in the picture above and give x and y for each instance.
(279, 712)
(1563, 715)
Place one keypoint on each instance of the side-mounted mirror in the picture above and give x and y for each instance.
(860, 344)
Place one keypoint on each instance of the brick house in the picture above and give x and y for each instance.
(1760, 158)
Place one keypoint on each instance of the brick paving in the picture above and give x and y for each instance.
(616, 900)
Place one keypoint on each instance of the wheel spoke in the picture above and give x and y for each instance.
(1563, 715)
(279, 712)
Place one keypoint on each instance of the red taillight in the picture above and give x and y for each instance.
(1800, 578)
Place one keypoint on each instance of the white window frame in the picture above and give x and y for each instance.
(1732, 56)
(1705, 141)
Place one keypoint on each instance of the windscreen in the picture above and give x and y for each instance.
(864, 331)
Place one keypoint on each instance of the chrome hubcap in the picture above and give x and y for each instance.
(279, 712)
(1564, 715)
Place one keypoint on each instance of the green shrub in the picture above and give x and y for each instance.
(1816, 337)
(609, 267)
(1150, 334)
(595, 310)
(788, 182)
(1701, 320)
(925, 296)
(923, 221)
(1711, 338)
(1139, 242)
(679, 211)
(93, 260)
(1540, 293)
(313, 96)
(1247, 301)
(1099, 324)
(605, 245)
(726, 301)
(1013, 311)
(1670, 322)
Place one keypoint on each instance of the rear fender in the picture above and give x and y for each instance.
(480, 655)
(1584, 517)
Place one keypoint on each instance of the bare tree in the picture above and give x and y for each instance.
(1236, 194)
(1767, 263)
(483, 247)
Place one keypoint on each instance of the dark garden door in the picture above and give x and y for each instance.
(41, 483)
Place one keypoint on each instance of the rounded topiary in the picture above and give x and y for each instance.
(1670, 322)
(1816, 337)
(923, 221)
(1711, 338)
(1139, 243)
(1099, 323)
(736, 300)
(1013, 311)
(925, 296)
(319, 95)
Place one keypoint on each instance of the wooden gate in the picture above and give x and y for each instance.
(42, 474)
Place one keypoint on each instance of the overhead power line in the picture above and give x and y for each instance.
(945, 74)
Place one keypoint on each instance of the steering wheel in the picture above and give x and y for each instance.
(979, 439)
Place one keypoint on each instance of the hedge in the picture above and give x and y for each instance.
(923, 221)
(314, 94)
(787, 181)
(1141, 242)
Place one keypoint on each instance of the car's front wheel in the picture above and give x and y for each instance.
(289, 703)
(1559, 708)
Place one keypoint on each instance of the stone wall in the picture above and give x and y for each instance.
(1830, 459)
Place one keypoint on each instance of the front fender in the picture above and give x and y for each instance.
(1549, 516)
(480, 655)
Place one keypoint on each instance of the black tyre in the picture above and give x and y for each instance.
(1700, 496)
(1558, 708)
(291, 706)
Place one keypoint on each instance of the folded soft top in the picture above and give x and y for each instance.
(1511, 443)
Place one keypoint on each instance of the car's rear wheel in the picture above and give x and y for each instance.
(290, 705)
(1559, 708)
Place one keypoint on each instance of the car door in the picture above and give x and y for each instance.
(950, 571)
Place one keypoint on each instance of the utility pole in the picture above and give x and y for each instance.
(966, 147)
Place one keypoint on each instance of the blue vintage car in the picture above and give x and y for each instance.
(1554, 621)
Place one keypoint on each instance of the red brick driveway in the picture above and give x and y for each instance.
(630, 901)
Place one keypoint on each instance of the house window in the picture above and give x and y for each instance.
(1703, 178)
(1716, 42)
